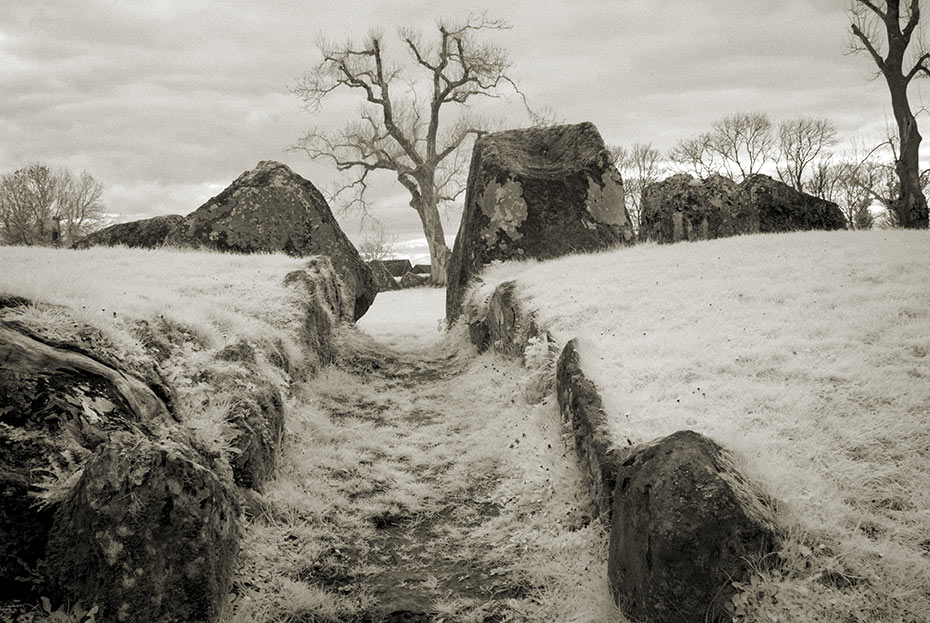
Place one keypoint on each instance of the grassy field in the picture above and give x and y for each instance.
(806, 355)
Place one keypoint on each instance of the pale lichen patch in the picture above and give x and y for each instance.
(505, 208)
(606, 199)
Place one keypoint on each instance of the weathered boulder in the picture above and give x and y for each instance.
(57, 406)
(272, 209)
(384, 280)
(685, 526)
(148, 533)
(536, 193)
(684, 208)
(414, 280)
(147, 233)
(322, 307)
(781, 208)
(421, 269)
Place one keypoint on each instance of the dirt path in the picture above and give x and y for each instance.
(423, 487)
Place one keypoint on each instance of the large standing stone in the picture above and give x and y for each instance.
(536, 193)
(272, 209)
(684, 208)
(781, 208)
(148, 233)
(148, 533)
(685, 526)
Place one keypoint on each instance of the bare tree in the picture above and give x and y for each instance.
(871, 23)
(800, 142)
(639, 166)
(377, 244)
(744, 142)
(399, 130)
(40, 206)
(694, 155)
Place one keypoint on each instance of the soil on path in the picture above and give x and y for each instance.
(424, 487)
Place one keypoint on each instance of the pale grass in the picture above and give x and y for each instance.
(195, 301)
(807, 356)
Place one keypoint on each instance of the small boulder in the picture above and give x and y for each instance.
(421, 269)
(685, 525)
(398, 268)
(146, 234)
(384, 280)
(148, 533)
(272, 209)
(536, 193)
(781, 208)
(414, 280)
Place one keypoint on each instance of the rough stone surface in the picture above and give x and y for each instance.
(323, 306)
(421, 269)
(56, 407)
(272, 209)
(147, 233)
(148, 533)
(256, 415)
(685, 525)
(781, 208)
(536, 193)
(580, 406)
(684, 208)
(414, 280)
(384, 280)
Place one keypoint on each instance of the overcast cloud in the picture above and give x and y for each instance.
(167, 101)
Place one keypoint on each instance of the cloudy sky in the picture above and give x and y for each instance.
(167, 101)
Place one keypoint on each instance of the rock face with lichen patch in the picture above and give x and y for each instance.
(272, 209)
(109, 536)
(147, 233)
(57, 406)
(685, 526)
(536, 193)
(384, 280)
(684, 208)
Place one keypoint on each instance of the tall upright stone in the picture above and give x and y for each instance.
(272, 209)
(536, 193)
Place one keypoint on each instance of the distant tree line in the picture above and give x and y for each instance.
(800, 152)
(43, 206)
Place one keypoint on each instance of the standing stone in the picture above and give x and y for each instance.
(384, 280)
(147, 233)
(536, 193)
(685, 526)
(272, 209)
(781, 208)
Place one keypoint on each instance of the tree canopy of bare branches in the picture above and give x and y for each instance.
(639, 166)
(801, 142)
(738, 146)
(416, 116)
(877, 25)
(41, 206)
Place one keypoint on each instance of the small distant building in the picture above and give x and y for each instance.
(421, 269)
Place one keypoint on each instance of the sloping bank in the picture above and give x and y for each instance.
(142, 399)
(664, 351)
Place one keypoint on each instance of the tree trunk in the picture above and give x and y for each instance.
(911, 205)
(435, 238)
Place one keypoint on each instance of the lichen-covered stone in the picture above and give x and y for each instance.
(384, 280)
(146, 233)
(781, 208)
(272, 209)
(148, 533)
(536, 193)
(57, 406)
(684, 208)
(322, 307)
(685, 526)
